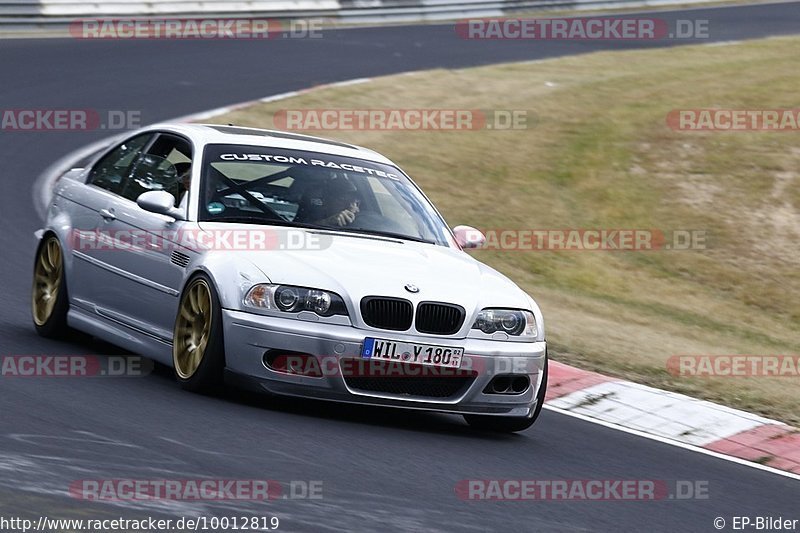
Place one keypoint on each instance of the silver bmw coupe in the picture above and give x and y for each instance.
(295, 265)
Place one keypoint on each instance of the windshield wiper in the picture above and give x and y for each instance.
(241, 219)
(379, 233)
(244, 219)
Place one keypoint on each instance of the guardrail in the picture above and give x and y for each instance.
(31, 14)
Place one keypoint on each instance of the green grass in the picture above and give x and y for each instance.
(600, 155)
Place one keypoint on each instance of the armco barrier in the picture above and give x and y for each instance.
(33, 14)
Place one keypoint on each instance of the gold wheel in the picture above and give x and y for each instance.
(46, 281)
(192, 329)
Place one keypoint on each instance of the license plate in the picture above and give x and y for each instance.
(410, 352)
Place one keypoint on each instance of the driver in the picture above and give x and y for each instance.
(340, 201)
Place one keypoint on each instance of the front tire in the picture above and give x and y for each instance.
(511, 424)
(49, 300)
(198, 350)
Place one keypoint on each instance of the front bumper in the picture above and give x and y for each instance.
(249, 336)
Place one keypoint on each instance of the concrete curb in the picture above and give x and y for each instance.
(675, 417)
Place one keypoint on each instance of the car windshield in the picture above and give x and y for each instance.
(258, 185)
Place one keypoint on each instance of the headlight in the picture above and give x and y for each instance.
(293, 299)
(511, 321)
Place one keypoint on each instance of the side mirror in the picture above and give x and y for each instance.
(469, 237)
(160, 202)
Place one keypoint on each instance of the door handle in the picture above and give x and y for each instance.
(108, 214)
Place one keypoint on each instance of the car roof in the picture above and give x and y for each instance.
(229, 134)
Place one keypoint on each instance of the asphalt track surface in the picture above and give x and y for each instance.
(381, 469)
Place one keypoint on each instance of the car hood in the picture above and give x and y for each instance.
(356, 266)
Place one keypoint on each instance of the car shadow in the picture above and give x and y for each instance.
(387, 417)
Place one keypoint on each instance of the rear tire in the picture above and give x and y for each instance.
(511, 424)
(49, 299)
(198, 350)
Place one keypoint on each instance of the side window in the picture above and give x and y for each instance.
(165, 167)
(111, 172)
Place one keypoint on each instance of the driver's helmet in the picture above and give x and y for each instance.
(340, 193)
(325, 195)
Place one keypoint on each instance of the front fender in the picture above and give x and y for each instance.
(231, 275)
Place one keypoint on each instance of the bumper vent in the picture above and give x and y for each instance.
(387, 313)
(439, 319)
